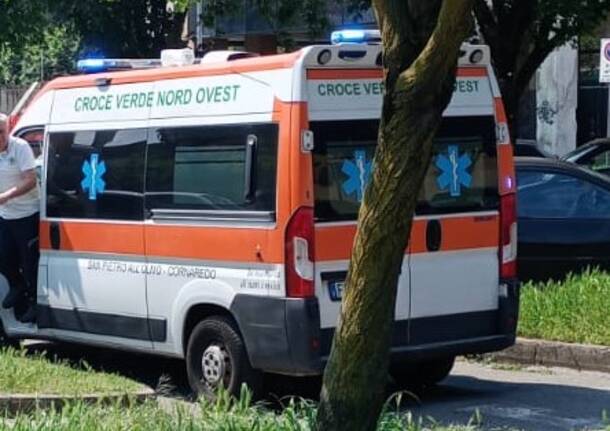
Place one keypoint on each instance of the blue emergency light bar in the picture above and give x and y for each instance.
(98, 65)
(355, 36)
(91, 65)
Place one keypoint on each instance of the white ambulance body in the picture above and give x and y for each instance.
(207, 212)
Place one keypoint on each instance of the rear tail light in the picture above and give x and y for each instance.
(508, 236)
(299, 254)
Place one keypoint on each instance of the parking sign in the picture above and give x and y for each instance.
(604, 63)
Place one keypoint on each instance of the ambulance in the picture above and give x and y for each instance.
(207, 212)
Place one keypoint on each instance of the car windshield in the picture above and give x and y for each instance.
(575, 155)
(557, 195)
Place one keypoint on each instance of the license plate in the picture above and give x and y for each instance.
(335, 289)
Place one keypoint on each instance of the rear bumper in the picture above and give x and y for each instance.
(281, 335)
(284, 335)
(451, 348)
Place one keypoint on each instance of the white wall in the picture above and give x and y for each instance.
(556, 101)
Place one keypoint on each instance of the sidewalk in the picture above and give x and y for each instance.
(556, 354)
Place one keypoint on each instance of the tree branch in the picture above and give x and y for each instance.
(520, 20)
(487, 24)
(405, 28)
(536, 57)
(486, 20)
(440, 54)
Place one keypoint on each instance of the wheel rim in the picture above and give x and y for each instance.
(216, 366)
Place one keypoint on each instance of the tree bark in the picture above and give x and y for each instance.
(421, 48)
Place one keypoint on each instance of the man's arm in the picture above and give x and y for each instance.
(27, 183)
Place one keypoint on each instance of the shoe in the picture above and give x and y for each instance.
(12, 298)
(29, 316)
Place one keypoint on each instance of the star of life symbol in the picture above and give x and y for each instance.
(93, 182)
(454, 171)
(358, 172)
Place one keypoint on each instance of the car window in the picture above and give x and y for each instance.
(34, 137)
(205, 168)
(600, 162)
(96, 174)
(578, 154)
(552, 195)
(527, 151)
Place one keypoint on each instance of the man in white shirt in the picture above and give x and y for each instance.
(19, 216)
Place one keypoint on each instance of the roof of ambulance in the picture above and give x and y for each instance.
(271, 62)
(245, 65)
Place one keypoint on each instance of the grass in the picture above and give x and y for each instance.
(574, 311)
(222, 415)
(23, 373)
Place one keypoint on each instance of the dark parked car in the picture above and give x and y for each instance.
(563, 216)
(595, 155)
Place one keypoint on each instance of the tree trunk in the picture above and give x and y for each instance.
(417, 93)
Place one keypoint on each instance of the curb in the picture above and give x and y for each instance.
(16, 404)
(557, 354)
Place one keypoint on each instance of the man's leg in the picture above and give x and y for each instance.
(9, 265)
(26, 236)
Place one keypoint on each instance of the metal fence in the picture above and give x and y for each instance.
(9, 97)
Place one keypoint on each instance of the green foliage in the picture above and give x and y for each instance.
(123, 28)
(522, 34)
(561, 20)
(225, 414)
(19, 19)
(574, 310)
(24, 373)
(54, 53)
(59, 31)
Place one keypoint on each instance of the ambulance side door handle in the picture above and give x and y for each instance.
(55, 236)
(434, 235)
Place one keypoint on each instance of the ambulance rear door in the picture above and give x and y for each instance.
(344, 109)
(455, 236)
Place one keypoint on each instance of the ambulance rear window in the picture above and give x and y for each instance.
(462, 176)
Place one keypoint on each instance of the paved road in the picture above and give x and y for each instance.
(529, 398)
(536, 399)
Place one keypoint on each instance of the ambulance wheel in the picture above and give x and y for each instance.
(422, 374)
(216, 358)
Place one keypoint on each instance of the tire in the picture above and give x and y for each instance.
(216, 357)
(422, 374)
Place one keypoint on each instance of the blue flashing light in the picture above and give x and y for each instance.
(92, 65)
(355, 36)
(348, 36)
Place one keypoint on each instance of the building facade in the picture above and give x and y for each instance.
(249, 29)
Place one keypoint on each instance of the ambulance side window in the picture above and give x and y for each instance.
(211, 168)
(96, 174)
